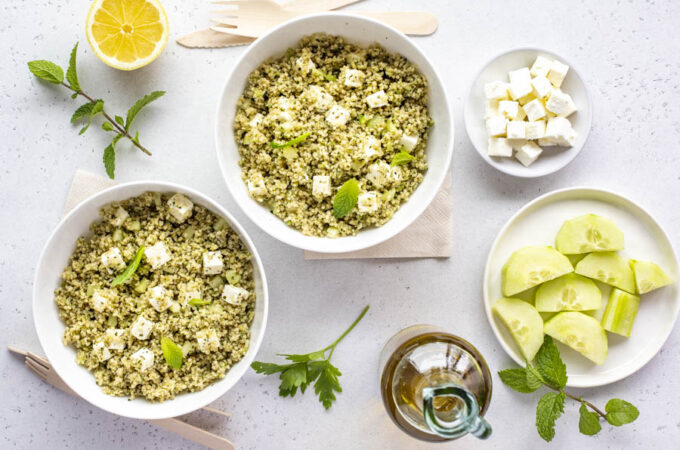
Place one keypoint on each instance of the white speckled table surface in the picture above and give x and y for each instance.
(627, 51)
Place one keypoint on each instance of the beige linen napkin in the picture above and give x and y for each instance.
(428, 237)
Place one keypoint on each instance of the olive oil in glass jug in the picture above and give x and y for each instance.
(435, 386)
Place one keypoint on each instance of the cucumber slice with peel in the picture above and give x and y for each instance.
(649, 276)
(570, 292)
(588, 233)
(609, 268)
(524, 323)
(531, 266)
(581, 332)
(620, 312)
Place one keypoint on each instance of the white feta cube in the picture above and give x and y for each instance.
(257, 186)
(508, 109)
(546, 141)
(534, 110)
(337, 116)
(234, 295)
(499, 147)
(101, 298)
(114, 339)
(320, 99)
(160, 298)
(304, 65)
(370, 148)
(283, 116)
(321, 186)
(113, 258)
(557, 73)
(368, 202)
(377, 173)
(560, 104)
(141, 328)
(516, 144)
(395, 174)
(144, 357)
(377, 100)
(119, 217)
(354, 78)
(542, 87)
(528, 153)
(207, 340)
(180, 207)
(541, 66)
(157, 255)
(495, 126)
(408, 142)
(496, 90)
(559, 130)
(535, 130)
(515, 130)
(212, 263)
(100, 350)
(520, 83)
(491, 108)
(256, 120)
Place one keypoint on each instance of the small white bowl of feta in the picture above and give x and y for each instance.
(528, 112)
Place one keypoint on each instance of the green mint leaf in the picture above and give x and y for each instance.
(267, 368)
(292, 378)
(329, 77)
(97, 108)
(620, 412)
(74, 95)
(106, 126)
(198, 302)
(589, 421)
(172, 353)
(534, 378)
(291, 143)
(327, 383)
(517, 380)
(110, 160)
(71, 74)
(402, 158)
(346, 198)
(120, 121)
(46, 70)
(130, 269)
(550, 407)
(82, 111)
(550, 365)
(139, 104)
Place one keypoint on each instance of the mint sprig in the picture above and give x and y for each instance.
(549, 370)
(401, 158)
(346, 198)
(305, 369)
(172, 353)
(52, 73)
(130, 269)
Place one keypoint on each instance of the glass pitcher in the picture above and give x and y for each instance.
(435, 386)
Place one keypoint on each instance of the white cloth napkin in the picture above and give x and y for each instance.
(428, 237)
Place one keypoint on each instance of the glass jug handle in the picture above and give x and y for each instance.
(468, 421)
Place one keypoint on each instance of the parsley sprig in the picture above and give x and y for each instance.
(309, 368)
(52, 73)
(549, 370)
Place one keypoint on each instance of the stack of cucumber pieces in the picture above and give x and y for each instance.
(565, 279)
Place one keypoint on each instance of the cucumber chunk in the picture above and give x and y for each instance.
(524, 323)
(570, 292)
(649, 276)
(620, 312)
(609, 268)
(588, 233)
(581, 332)
(531, 266)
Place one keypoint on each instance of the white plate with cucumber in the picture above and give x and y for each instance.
(590, 268)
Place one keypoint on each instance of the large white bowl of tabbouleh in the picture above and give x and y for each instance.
(334, 132)
(150, 300)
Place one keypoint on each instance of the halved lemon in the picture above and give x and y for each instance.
(127, 34)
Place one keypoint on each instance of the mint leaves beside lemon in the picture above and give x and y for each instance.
(346, 198)
(172, 353)
(549, 370)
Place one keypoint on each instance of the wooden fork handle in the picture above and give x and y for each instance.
(309, 6)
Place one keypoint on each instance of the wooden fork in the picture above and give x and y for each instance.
(41, 367)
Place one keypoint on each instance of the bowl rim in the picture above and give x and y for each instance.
(203, 200)
(618, 376)
(529, 173)
(316, 243)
